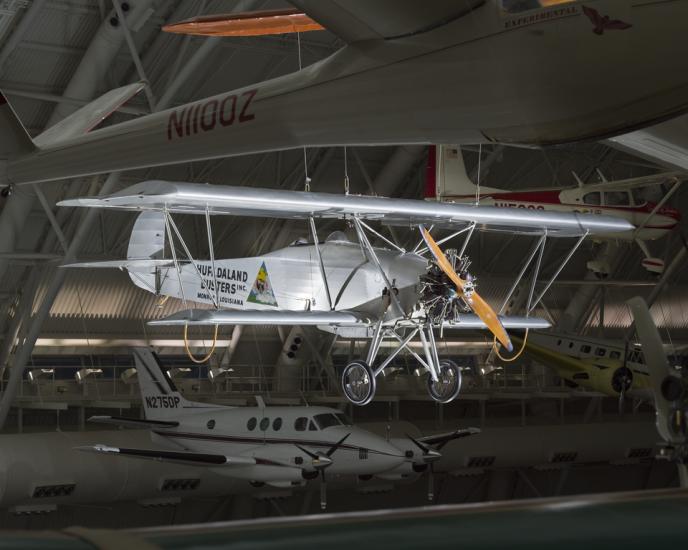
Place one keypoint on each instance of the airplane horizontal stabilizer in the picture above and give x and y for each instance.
(89, 116)
(132, 422)
(262, 317)
(200, 459)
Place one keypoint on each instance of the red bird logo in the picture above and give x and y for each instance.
(603, 22)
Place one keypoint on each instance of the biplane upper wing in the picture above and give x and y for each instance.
(357, 20)
(191, 198)
(263, 317)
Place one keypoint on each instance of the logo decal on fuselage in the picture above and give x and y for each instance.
(262, 292)
(603, 22)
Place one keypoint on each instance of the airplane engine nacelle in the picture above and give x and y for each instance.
(609, 377)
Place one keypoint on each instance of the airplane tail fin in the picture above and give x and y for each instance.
(14, 139)
(446, 177)
(160, 398)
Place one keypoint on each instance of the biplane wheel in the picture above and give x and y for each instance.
(358, 383)
(449, 384)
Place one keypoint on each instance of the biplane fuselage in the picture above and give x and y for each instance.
(290, 279)
(498, 72)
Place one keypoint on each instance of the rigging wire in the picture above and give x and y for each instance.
(495, 347)
(346, 172)
(191, 356)
(477, 187)
(307, 180)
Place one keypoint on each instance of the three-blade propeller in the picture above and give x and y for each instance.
(254, 23)
(479, 306)
(320, 462)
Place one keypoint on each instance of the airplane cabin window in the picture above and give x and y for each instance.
(326, 420)
(300, 424)
(264, 424)
(277, 424)
(615, 355)
(558, 342)
(251, 424)
(312, 427)
(617, 198)
(210, 424)
(585, 349)
(600, 352)
(518, 6)
(592, 199)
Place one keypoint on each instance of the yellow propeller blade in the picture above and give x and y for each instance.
(479, 306)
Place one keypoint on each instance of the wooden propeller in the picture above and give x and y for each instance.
(479, 306)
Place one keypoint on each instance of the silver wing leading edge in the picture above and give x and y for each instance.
(190, 198)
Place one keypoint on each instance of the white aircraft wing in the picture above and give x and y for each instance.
(191, 198)
(442, 439)
(634, 183)
(263, 317)
(357, 20)
(185, 457)
(133, 422)
(665, 143)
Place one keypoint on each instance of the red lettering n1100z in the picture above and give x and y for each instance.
(204, 117)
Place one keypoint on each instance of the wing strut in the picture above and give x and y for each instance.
(370, 253)
(321, 265)
(556, 273)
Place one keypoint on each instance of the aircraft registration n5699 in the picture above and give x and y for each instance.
(640, 201)
(469, 71)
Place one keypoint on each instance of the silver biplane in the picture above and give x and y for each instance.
(353, 289)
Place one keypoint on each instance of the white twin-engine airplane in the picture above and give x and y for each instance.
(447, 71)
(276, 446)
(350, 289)
(632, 199)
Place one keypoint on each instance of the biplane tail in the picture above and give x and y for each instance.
(446, 177)
(146, 250)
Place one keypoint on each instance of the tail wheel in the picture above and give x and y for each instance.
(358, 383)
(448, 385)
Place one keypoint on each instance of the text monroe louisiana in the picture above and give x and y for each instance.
(206, 116)
(230, 282)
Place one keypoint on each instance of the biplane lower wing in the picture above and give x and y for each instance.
(470, 322)
(209, 317)
(205, 317)
(190, 198)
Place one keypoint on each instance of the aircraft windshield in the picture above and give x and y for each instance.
(651, 193)
(518, 6)
(326, 420)
(345, 420)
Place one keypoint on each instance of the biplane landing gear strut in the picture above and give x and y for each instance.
(444, 377)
